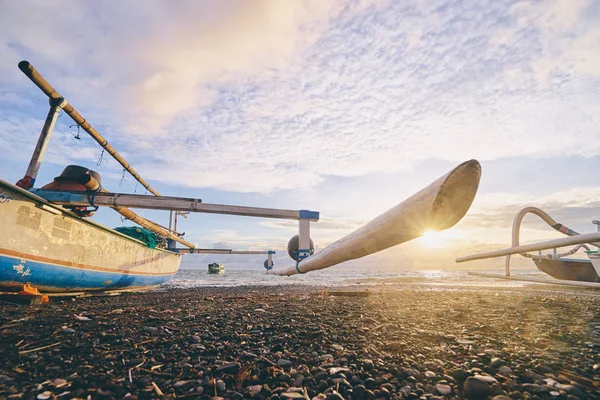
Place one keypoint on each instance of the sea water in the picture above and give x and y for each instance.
(195, 277)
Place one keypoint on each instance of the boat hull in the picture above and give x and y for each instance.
(56, 251)
(568, 269)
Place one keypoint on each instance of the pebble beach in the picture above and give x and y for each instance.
(299, 342)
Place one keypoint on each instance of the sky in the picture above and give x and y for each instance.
(342, 107)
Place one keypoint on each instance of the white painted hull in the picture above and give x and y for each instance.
(439, 206)
(55, 251)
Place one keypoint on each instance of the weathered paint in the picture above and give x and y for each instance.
(56, 251)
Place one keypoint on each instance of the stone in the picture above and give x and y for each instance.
(291, 395)
(442, 389)
(334, 396)
(284, 363)
(359, 392)
(248, 356)
(496, 362)
(486, 378)
(229, 368)
(476, 389)
(505, 370)
(459, 375)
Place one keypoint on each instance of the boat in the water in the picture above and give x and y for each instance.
(49, 244)
(564, 269)
(214, 268)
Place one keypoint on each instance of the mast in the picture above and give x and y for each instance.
(45, 87)
(28, 180)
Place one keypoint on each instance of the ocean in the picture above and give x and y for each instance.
(196, 277)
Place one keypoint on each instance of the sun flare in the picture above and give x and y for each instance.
(431, 238)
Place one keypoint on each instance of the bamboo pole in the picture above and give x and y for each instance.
(439, 206)
(45, 87)
(524, 248)
(92, 184)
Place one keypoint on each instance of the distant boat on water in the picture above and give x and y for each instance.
(215, 268)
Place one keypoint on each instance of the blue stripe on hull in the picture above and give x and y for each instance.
(15, 272)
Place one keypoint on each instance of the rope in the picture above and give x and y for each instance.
(92, 196)
(297, 267)
(100, 158)
(122, 178)
(298, 259)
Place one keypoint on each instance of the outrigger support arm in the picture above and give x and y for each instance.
(222, 251)
(172, 203)
(45, 87)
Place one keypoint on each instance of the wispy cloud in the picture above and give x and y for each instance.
(279, 95)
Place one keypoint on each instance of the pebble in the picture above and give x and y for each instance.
(229, 368)
(496, 362)
(291, 395)
(486, 378)
(188, 339)
(505, 370)
(335, 396)
(444, 390)
(284, 363)
(476, 389)
(359, 392)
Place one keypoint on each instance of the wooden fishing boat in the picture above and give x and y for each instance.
(48, 241)
(55, 250)
(564, 270)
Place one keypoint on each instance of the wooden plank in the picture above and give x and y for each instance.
(170, 203)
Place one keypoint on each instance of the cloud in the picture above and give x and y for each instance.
(270, 96)
(370, 98)
(161, 59)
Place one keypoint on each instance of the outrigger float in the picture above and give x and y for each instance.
(48, 242)
(564, 270)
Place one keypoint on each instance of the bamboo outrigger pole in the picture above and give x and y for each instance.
(55, 97)
(45, 87)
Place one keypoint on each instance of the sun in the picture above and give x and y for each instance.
(431, 238)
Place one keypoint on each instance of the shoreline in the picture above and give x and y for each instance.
(291, 341)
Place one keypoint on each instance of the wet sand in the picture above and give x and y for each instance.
(290, 342)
